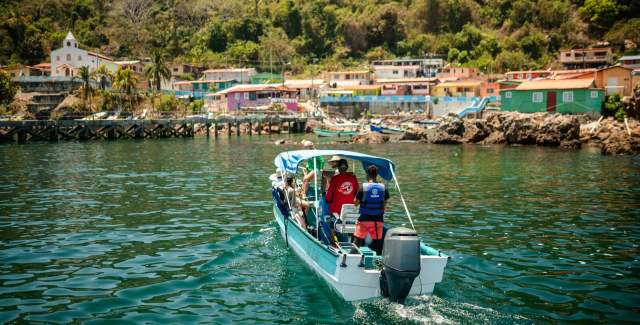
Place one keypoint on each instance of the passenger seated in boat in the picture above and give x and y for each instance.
(314, 165)
(298, 206)
(371, 198)
(342, 188)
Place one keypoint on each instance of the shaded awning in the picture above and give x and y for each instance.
(288, 161)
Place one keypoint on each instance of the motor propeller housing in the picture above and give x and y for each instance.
(401, 263)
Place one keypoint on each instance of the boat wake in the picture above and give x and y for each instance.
(430, 310)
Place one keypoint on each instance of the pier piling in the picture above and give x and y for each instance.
(57, 130)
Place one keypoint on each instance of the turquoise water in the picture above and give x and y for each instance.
(181, 231)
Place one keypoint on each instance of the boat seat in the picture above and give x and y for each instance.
(348, 217)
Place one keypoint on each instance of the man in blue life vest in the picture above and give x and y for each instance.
(371, 197)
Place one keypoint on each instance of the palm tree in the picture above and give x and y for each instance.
(157, 69)
(86, 89)
(125, 81)
(103, 74)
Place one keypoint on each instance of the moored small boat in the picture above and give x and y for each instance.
(406, 266)
(331, 133)
(384, 129)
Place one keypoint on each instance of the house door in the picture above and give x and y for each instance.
(551, 101)
(612, 86)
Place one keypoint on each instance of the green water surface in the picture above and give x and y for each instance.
(181, 231)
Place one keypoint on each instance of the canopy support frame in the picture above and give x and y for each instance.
(404, 204)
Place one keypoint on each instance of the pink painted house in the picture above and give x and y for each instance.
(243, 96)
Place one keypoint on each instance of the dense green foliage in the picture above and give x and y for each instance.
(612, 106)
(290, 34)
(157, 69)
(7, 89)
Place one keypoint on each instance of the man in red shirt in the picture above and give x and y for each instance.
(342, 188)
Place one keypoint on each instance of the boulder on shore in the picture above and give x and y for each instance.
(612, 136)
(370, 138)
(476, 130)
(556, 130)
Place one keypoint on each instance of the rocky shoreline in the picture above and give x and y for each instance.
(543, 129)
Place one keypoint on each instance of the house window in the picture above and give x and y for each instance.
(252, 96)
(68, 57)
(567, 96)
(507, 94)
(79, 57)
(490, 91)
(395, 71)
(68, 43)
(594, 94)
(246, 96)
(237, 95)
(536, 97)
(57, 58)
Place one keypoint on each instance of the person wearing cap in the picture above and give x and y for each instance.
(314, 164)
(342, 188)
(328, 174)
(334, 163)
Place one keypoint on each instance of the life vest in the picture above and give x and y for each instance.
(372, 203)
(279, 198)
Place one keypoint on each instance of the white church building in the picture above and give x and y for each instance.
(66, 61)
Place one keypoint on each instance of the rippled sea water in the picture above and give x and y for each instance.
(181, 231)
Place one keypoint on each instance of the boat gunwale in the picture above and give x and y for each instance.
(306, 233)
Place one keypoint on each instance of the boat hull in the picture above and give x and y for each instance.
(385, 130)
(350, 280)
(329, 133)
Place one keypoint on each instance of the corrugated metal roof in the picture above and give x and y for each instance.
(303, 83)
(259, 87)
(230, 70)
(466, 83)
(630, 57)
(360, 87)
(528, 71)
(349, 72)
(405, 80)
(556, 84)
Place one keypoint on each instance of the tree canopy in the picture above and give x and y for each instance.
(292, 33)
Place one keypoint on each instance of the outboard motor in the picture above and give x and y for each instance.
(401, 263)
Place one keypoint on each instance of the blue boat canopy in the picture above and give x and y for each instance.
(288, 161)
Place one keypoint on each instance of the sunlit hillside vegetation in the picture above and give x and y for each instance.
(494, 35)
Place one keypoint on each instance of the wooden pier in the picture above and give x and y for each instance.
(57, 130)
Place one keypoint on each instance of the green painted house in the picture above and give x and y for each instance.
(204, 86)
(267, 78)
(568, 96)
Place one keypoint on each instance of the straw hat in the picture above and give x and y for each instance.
(277, 177)
(335, 159)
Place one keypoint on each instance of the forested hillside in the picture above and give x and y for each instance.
(492, 34)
